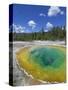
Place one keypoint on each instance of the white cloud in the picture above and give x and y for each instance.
(61, 12)
(42, 15)
(17, 28)
(49, 26)
(45, 30)
(53, 11)
(32, 24)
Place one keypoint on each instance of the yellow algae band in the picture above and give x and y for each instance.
(45, 63)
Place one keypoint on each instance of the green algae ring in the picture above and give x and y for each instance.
(44, 63)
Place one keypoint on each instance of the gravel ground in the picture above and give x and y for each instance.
(19, 77)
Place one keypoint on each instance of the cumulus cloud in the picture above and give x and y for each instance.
(17, 28)
(53, 11)
(61, 12)
(42, 15)
(32, 24)
(45, 30)
(49, 26)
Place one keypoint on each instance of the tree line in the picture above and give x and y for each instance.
(56, 33)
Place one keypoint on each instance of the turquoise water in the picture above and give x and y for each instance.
(47, 56)
(46, 63)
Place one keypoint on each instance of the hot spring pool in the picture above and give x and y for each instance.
(44, 63)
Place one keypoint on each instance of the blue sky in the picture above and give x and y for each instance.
(31, 18)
